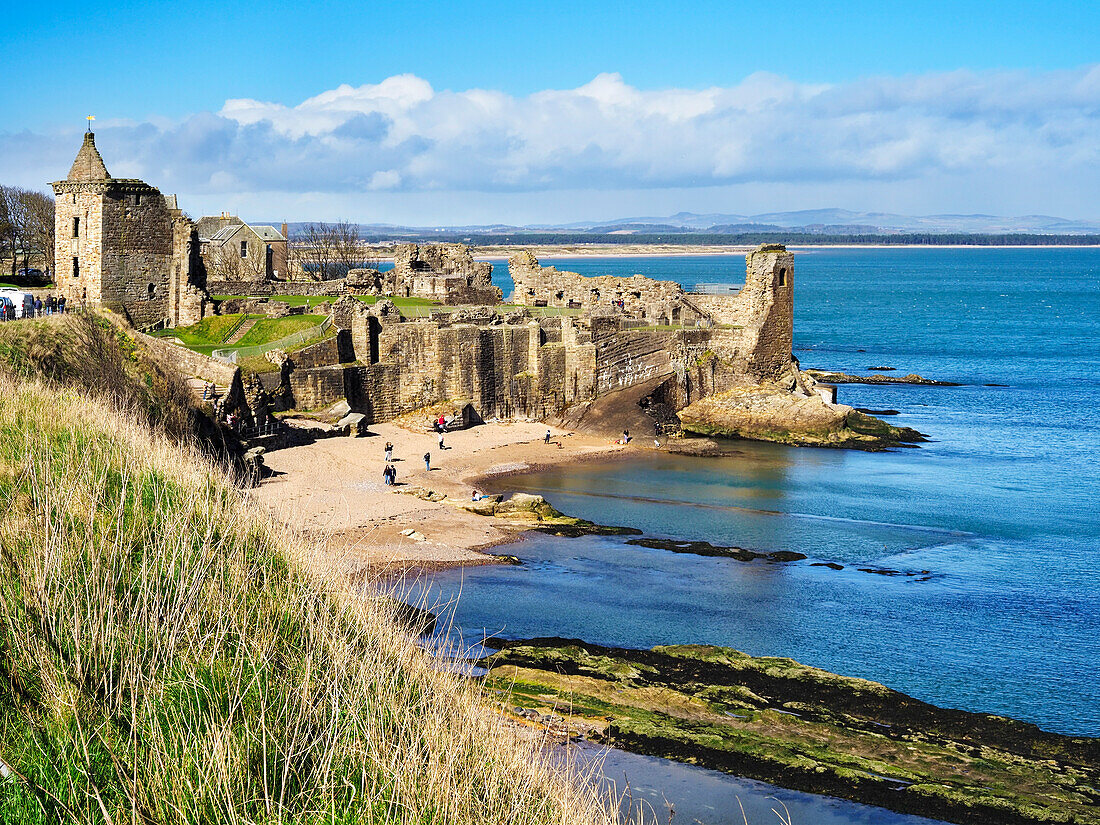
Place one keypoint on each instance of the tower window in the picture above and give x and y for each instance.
(152, 292)
(76, 227)
(76, 267)
(783, 276)
(244, 249)
(137, 199)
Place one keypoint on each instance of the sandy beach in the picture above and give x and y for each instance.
(333, 489)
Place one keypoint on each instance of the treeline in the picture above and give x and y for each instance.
(746, 239)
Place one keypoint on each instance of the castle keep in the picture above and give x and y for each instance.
(120, 243)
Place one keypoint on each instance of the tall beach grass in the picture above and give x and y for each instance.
(168, 654)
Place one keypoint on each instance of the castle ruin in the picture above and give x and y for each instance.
(121, 244)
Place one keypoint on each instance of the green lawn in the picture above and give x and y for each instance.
(272, 329)
(211, 333)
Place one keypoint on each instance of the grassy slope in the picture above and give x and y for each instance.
(211, 333)
(272, 329)
(165, 655)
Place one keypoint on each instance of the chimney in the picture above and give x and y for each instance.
(284, 230)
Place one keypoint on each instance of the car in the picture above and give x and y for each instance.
(22, 301)
(30, 273)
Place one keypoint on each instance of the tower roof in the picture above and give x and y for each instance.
(88, 165)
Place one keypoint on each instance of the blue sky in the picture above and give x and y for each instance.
(517, 112)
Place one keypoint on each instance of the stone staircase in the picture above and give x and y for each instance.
(198, 387)
(241, 331)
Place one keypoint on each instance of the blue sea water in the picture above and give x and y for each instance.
(996, 516)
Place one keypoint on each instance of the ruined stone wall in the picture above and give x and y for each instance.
(625, 358)
(137, 246)
(324, 353)
(638, 297)
(766, 308)
(334, 289)
(440, 272)
(315, 388)
(190, 363)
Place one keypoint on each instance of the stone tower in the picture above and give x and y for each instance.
(767, 306)
(120, 243)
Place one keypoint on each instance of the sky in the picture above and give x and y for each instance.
(522, 112)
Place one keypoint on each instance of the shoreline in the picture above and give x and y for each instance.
(612, 251)
(332, 490)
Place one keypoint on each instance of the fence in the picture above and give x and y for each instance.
(232, 356)
(714, 289)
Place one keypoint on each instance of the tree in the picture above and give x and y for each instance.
(324, 251)
(224, 263)
(26, 226)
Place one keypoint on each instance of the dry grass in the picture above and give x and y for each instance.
(166, 657)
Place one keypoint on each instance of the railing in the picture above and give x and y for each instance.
(714, 289)
(271, 428)
(232, 356)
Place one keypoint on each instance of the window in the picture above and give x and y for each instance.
(152, 292)
(244, 249)
(137, 199)
(76, 227)
(783, 276)
(76, 267)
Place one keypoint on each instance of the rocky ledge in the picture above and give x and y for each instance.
(804, 728)
(769, 412)
(844, 378)
(535, 513)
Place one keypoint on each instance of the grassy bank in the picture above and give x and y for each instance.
(167, 654)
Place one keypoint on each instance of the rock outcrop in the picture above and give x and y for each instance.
(770, 412)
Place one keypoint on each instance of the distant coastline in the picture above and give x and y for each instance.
(552, 251)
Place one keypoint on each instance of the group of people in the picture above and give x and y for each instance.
(389, 472)
(39, 307)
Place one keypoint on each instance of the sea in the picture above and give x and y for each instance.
(969, 564)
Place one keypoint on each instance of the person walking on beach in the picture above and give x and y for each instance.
(389, 452)
(546, 438)
(428, 461)
(441, 442)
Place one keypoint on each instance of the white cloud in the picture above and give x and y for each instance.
(402, 136)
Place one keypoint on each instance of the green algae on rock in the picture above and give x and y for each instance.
(805, 728)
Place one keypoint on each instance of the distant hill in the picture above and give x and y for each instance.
(834, 223)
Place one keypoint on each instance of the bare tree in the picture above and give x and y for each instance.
(225, 263)
(38, 209)
(8, 242)
(347, 246)
(26, 226)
